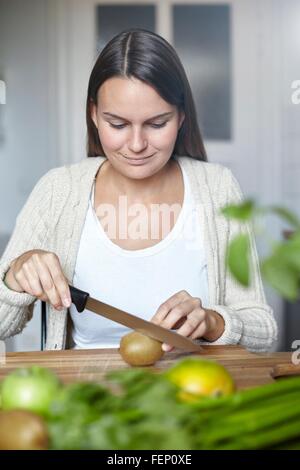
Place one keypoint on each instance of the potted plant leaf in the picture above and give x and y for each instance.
(281, 268)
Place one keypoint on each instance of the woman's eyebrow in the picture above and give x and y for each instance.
(170, 113)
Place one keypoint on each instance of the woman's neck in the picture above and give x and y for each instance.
(141, 190)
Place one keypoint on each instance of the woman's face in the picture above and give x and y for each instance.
(137, 128)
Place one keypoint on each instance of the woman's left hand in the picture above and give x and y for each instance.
(186, 313)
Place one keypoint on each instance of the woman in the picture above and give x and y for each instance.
(88, 223)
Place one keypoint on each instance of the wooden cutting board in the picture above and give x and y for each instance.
(248, 369)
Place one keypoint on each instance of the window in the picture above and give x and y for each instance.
(202, 40)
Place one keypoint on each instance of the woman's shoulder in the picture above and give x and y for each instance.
(65, 182)
(70, 173)
(86, 165)
(80, 168)
(215, 175)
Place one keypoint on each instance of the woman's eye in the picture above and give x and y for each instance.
(117, 126)
(121, 126)
(158, 126)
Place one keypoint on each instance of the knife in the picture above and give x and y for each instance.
(82, 300)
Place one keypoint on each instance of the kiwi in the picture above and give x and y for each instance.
(140, 350)
(22, 430)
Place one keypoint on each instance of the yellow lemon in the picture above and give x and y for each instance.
(197, 378)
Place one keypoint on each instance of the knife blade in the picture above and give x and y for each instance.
(82, 301)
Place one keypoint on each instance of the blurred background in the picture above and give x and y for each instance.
(242, 60)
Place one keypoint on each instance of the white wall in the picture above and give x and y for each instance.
(24, 153)
(290, 132)
(26, 135)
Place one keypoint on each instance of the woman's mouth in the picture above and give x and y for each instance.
(137, 161)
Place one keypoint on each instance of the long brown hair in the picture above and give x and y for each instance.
(150, 58)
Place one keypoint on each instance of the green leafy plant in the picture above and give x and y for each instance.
(141, 409)
(281, 268)
(146, 414)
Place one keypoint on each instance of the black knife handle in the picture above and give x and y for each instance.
(79, 298)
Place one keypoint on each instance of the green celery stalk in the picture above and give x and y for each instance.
(213, 417)
(265, 438)
(242, 423)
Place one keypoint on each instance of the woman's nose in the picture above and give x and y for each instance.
(137, 141)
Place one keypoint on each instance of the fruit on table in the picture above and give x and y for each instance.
(22, 430)
(140, 350)
(32, 388)
(200, 377)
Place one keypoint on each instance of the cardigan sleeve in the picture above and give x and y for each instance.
(248, 319)
(31, 231)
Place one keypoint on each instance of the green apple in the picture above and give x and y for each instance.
(31, 389)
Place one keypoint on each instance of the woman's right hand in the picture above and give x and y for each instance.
(39, 273)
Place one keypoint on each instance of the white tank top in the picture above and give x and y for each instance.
(137, 281)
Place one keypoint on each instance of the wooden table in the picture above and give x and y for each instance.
(248, 369)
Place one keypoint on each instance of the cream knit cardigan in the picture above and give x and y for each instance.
(53, 218)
